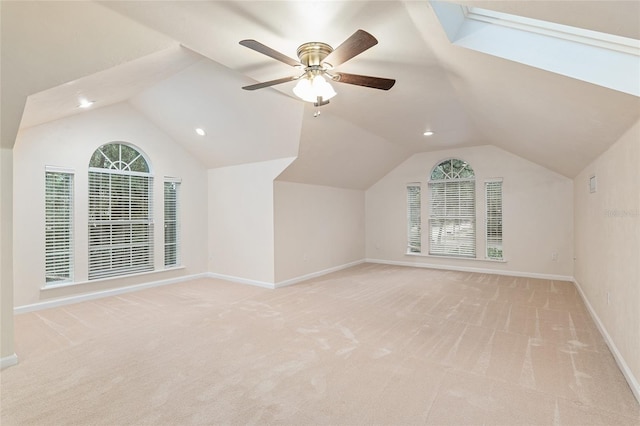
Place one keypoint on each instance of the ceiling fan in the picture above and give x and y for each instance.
(317, 60)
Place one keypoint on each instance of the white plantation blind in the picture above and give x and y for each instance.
(493, 193)
(120, 212)
(452, 216)
(414, 231)
(120, 224)
(171, 223)
(58, 226)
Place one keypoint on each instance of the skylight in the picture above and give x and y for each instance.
(604, 59)
(551, 29)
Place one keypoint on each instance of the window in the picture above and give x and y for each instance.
(452, 230)
(120, 212)
(493, 192)
(414, 221)
(562, 49)
(171, 223)
(58, 226)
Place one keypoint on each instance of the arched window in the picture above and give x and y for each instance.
(120, 212)
(452, 215)
(119, 156)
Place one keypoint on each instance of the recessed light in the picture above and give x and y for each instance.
(428, 133)
(200, 131)
(84, 103)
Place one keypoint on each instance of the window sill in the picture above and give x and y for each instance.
(474, 259)
(53, 286)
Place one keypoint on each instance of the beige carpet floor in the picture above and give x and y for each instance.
(372, 344)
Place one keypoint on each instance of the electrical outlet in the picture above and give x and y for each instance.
(608, 298)
(554, 256)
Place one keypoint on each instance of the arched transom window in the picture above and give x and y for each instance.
(118, 156)
(120, 212)
(452, 215)
(452, 169)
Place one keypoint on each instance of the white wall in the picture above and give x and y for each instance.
(331, 162)
(6, 253)
(317, 228)
(537, 213)
(607, 244)
(69, 143)
(241, 224)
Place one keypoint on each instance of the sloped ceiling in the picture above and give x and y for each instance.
(466, 97)
(116, 84)
(46, 44)
(241, 127)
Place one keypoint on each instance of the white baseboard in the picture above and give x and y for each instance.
(240, 280)
(471, 269)
(62, 301)
(301, 278)
(622, 364)
(8, 361)
(285, 283)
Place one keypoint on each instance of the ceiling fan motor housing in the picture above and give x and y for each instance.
(313, 53)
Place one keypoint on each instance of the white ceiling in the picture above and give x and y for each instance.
(116, 84)
(467, 98)
(241, 127)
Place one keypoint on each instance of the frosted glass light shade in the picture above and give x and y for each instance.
(304, 91)
(309, 90)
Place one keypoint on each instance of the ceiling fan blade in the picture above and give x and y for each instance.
(353, 46)
(269, 83)
(364, 80)
(266, 50)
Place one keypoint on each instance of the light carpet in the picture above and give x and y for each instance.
(373, 344)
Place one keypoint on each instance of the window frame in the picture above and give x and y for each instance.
(177, 258)
(414, 218)
(462, 191)
(58, 246)
(491, 241)
(120, 217)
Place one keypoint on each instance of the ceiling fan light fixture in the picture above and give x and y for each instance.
(309, 89)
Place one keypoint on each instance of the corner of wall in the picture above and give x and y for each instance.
(622, 364)
(606, 269)
(6, 256)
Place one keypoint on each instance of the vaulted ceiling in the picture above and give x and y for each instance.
(179, 63)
